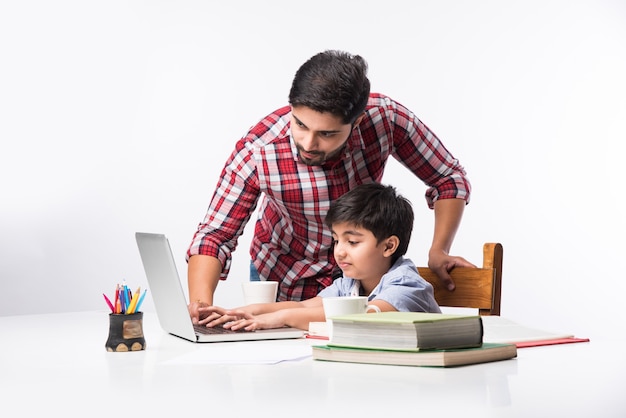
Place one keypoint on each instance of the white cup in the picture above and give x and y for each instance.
(259, 291)
(344, 305)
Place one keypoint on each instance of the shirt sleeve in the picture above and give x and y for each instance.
(231, 207)
(421, 151)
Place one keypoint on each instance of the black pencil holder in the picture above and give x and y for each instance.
(126, 332)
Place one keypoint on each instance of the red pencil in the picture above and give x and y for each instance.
(109, 303)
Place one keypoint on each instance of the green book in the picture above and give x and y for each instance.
(487, 352)
(407, 331)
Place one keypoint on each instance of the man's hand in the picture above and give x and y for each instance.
(442, 264)
(195, 311)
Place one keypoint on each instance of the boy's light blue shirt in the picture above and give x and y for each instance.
(402, 287)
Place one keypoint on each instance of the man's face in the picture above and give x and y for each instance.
(318, 136)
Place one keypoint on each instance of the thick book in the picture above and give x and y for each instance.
(407, 331)
(488, 352)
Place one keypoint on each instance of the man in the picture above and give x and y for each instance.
(334, 135)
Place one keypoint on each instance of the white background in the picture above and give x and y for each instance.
(117, 116)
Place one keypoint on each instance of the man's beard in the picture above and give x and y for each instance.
(319, 158)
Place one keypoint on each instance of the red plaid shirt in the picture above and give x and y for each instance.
(291, 244)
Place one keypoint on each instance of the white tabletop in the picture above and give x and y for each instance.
(57, 363)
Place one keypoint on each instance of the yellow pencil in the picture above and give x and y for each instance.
(133, 302)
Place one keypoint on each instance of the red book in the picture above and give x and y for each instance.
(554, 341)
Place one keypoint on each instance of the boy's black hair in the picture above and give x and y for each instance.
(332, 82)
(377, 208)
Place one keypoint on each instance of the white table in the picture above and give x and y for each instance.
(57, 365)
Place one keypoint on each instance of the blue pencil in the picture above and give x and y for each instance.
(126, 299)
(140, 301)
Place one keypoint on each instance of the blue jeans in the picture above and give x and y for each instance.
(254, 273)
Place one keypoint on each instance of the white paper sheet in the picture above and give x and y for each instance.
(245, 352)
(502, 330)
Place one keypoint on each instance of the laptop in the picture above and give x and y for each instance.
(171, 304)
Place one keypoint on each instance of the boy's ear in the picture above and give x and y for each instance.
(391, 245)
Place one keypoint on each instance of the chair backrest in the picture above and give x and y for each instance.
(478, 288)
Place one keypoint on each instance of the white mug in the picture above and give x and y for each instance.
(259, 291)
(344, 305)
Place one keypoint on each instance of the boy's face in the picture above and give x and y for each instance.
(318, 136)
(359, 255)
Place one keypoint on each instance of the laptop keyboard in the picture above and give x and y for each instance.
(202, 329)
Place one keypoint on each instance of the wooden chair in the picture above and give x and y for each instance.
(477, 288)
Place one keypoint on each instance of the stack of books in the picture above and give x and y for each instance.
(411, 339)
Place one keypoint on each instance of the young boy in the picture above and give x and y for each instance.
(371, 227)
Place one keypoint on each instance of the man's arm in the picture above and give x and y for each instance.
(448, 214)
(203, 274)
(234, 199)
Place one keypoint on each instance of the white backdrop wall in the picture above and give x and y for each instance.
(117, 116)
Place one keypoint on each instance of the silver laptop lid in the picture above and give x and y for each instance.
(170, 301)
(165, 287)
